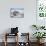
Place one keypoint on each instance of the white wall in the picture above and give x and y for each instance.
(23, 23)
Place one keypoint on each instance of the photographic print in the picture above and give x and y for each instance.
(17, 12)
